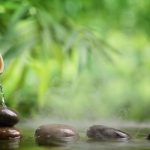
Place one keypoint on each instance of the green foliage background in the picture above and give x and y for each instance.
(77, 58)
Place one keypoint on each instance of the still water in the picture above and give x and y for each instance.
(138, 141)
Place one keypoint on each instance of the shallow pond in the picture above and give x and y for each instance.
(138, 141)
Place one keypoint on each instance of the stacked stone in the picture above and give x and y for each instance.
(8, 119)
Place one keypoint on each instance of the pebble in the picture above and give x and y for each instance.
(7, 133)
(8, 117)
(100, 132)
(56, 135)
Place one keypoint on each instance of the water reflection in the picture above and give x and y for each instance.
(138, 142)
(10, 144)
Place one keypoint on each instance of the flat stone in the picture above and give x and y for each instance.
(8, 117)
(7, 133)
(100, 132)
(55, 135)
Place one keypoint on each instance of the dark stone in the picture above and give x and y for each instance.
(55, 135)
(8, 117)
(7, 133)
(100, 132)
(148, 137)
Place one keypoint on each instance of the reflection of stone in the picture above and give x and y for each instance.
(8, 117)
(56, 134)
(9, 144)
(100, 132)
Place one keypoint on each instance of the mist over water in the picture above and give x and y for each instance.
(83, 124)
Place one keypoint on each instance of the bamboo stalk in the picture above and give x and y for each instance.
(1, 64)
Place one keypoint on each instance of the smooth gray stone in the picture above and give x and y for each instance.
(100, 132)
(8, 117)
(56, 135)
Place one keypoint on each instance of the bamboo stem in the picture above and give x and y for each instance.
(1, 64)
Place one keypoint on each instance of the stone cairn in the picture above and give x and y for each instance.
(8, 119)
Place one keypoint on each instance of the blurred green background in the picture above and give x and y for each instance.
(78, 59)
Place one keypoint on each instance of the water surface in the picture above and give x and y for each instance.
(138, 141)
